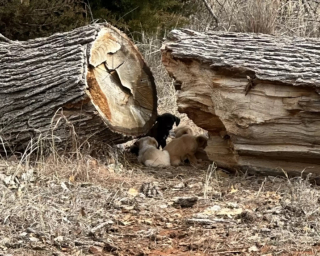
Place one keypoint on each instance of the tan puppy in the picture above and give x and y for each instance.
(185, 147)
(149, 155)
(182, 131)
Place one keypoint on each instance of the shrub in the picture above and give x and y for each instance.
(21, 20)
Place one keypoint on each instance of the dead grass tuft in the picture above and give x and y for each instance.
(291, 18)
(79, 205)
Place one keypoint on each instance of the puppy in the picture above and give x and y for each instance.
(200, 153)
(178, 132)
(160, 131)
(185, 147)
(149, 155)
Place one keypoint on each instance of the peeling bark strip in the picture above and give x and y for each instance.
(257, 95)
(92, 78)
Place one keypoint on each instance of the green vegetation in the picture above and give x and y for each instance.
(21, 20)
(148, 16)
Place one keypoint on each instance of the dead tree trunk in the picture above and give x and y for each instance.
(92, 80)
(257, 95)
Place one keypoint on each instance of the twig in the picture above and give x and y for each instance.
(261, 187)
(100, 226)
(211, 11)
(232, 251)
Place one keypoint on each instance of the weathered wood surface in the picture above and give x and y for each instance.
(257, 95)
(92, 81)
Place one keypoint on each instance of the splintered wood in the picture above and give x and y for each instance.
(91, 84)
(257, 95)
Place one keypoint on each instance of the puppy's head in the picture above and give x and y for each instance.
(178, 132)
(202, 141)
(147, 141)
(167, 120)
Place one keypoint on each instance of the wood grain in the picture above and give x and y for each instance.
(257, 95)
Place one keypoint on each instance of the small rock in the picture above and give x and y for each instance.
(33, 239)
(58, 239)
(169, 225)
(184, 202)
(247, 217)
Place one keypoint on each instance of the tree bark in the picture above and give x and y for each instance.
(91, 82)
(257, 95)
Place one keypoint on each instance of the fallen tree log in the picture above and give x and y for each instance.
(257, 96)
(91, 82)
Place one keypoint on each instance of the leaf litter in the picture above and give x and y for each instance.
(128, 209)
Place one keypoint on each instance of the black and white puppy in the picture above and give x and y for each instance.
(160, 130)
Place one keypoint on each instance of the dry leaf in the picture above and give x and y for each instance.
(82, 211)
(233, 190)
(127, 217)
(229, 212)
(71, 178)
(148, 221)
(95, 250)
(126, 223)
(133, 192)
(169, 225)
(212, 210)
(58, 239)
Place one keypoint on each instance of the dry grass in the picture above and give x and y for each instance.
(77, 206)
(150, 48)
(53, 204)
(292, 17)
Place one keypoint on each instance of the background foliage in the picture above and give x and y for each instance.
(25, 19)
(21, 19)
(148, 16)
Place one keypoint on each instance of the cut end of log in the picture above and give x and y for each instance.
(92, 82)
(121, 86)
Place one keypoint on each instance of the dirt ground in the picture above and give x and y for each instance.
(89, 207)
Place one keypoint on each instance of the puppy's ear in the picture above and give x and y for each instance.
(177, 120)
(154, 142)
(158, 118)
(202, 141)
